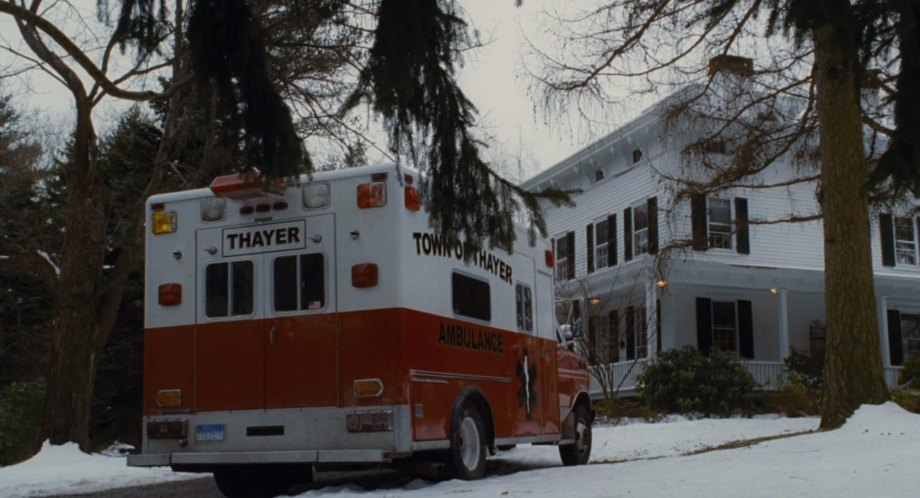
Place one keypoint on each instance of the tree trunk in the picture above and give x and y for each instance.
(853, 372)
(77, 338)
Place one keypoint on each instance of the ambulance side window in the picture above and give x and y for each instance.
(471, 297)
(524, 307)
(300, 282)
(228, 289)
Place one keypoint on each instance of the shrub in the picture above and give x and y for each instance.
(908, 399)
(909, 378)
(685, 381)
(20, 409)
(791, 400)
(805, 376)
(614, 409)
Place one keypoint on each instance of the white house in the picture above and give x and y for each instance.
(658, 271)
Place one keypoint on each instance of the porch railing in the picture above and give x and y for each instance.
(621, 377)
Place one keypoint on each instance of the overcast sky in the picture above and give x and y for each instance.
(493, 76)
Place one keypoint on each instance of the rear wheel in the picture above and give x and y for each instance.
(578, 452)
(467, 455)
(260, 481)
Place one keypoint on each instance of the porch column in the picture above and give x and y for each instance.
(651, 313)
(782, 307)
(883, 331)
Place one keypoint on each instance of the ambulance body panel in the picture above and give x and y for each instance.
(310, 329)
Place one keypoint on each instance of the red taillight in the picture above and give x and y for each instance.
(550, 259)
(372, 194)
(413, 203)
(170, 294)
(364, 275)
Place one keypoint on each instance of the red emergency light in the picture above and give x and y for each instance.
(245, 186)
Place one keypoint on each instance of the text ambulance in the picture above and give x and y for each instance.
(326, 323)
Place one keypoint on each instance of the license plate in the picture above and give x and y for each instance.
(210, 432)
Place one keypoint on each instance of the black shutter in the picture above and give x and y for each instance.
(653, 225)
(658, 324)
(630, 333)
(894, 337)
(741, 226)
(589, 233)
(627, 234)
(612, 240)
(698, 221)
(886, 229)
(745, 329)
(613, 337)
(570, 241)
(704, 324)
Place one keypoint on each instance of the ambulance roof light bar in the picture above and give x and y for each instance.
(242, 186)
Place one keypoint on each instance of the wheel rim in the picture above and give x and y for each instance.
(583, 439)
(469, 443)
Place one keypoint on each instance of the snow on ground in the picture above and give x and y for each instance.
(874, 454)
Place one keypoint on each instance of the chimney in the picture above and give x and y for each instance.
(732, 64)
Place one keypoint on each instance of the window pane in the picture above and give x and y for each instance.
(720, 223)
(312, 282)
(723, 314)
(601, 232)
(905, 245)
(640, 217)
(471, 297)
(524, 308)
(215, 286)
(242, 287)
(286, 283)
(910, 335)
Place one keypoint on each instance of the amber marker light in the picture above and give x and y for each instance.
(368, 388)
(169, 398)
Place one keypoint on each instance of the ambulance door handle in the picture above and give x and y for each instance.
(271, 336)
(316, 238)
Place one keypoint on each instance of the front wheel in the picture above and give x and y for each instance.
(467, 454)
(578, 452)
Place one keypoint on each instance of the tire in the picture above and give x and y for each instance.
(260, 481)
(466, 458)
(578, 452)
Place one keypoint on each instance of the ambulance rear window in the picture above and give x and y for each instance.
(228, 289)
(471, 297)
(300, 282)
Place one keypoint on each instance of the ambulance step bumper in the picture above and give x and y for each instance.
(260, 457)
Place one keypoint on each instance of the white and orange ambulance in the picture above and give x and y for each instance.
(324, 322)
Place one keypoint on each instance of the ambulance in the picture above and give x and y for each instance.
(323, 323)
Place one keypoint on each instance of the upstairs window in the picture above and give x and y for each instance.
(720, 223)
(905, 241)
(602, 236)
(716, 226)
(229, 289)
(640, 229)
(565, 256)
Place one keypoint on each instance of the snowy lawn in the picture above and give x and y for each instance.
(874, 454)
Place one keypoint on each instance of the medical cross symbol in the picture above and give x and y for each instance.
(527, 394)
